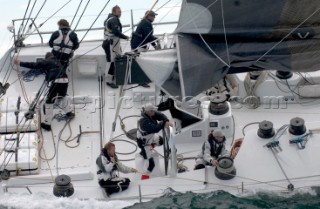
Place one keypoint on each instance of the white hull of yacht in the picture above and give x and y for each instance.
(257, 168)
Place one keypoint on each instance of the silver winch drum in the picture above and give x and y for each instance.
(225, 169)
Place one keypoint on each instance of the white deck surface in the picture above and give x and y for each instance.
(255, 164)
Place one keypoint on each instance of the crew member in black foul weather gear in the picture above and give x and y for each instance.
(147, 137)
(108, 170)
(57, 79)
(212, 149)
(111, 44)
(144, 33)
(63, 42)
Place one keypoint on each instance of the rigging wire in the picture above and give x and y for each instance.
(8, 72)
(25, 26)
(41, 24)
(40, 10)
(162, 6)
(30, 26)
(85, 8)
(76, 13)
(24, 17)
(54, 13)
(200, 35)
(25, 96)
(140, 46)
(78, 57)
(94, 21)
(21, 83)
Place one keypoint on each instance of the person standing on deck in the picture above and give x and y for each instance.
(147, 137)
(144, 33)
(57, 78)
(63, 42)
(111, 44)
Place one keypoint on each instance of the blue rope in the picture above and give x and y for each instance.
(60, 117)
(32, 74)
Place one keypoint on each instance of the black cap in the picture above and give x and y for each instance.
(150, 13)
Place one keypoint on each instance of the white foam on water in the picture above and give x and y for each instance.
(284, 193)
(42, 200)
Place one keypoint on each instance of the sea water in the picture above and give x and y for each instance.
(46, 201)
(303, 199)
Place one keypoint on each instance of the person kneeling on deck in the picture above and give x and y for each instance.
(109, 167)
(147, 137)
(212, 149)
(57, 80)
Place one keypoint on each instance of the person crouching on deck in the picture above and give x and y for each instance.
(109, 168)
(212, 149)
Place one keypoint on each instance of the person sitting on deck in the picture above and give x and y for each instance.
(212, 149)
(109, 167)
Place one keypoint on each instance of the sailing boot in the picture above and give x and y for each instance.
(145, 85)
(48, 115)
(65, 104)
(110, 81)
(70, 115)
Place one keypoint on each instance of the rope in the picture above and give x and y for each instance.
(39, 132)
(32, 74)
(24, 92)
(69, 139)
(122, 125)
(41, 146)
(249, 124)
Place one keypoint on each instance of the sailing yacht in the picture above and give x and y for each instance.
(246, 68)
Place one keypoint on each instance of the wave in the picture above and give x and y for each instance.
(307, 198)
(42, 200)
